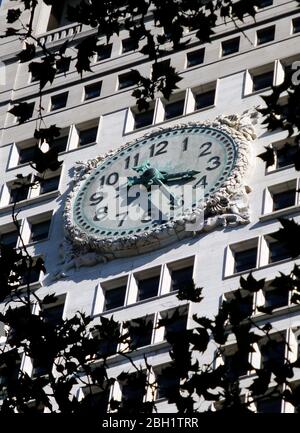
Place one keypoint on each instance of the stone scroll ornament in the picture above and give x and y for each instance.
(213, 157)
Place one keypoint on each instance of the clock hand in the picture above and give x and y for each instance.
(181, 175)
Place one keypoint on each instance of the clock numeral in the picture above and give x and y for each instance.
(205, 149)
(135, 161)
(158, 149)
(215, 161)
(201, 182)
(121, 220)
(111, 180)
(100, 214)
(96, 199)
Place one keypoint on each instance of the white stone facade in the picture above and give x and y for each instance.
(212, 254)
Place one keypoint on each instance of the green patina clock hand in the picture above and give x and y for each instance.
(151, 176)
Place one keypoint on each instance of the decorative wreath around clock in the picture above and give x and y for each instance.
(214, 156)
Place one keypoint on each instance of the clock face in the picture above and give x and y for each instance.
(145, 184)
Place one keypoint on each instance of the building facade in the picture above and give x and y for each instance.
(98, 115)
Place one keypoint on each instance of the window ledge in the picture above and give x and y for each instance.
(258, 268)
(257, 92)
(278, 170)
(29, 201)
(280, 212)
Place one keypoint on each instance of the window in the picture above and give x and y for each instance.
(31, 276)
(235, 362)
(92, 91)
(177, 322)
(129, 45)
(140, 332)
(42, 367)
(245, 260)
(205, 99)
(26, 154)
(133, 390)
(276, 297)
(60, 143)
(167, 382)
(296, 25)
(96, 400)
(265, 3)
(88, 136)
(148, 288)
(262, 81)
(104, 52)
(284, 199)
(49, 184)
(143, 119)
(9, 374)
(231, 46)
(272, 351)
(9, 238)
(59, 101)
(63, 65)
(18, 193)
(195, 57)
(277, 251)
(39, 231)
(241, 303)
(174, 109)
(126, 80)
(108, 345)
(52, 314)
(29, 112)
(285, 155)
(269, 405)
(265, 35)
(114, 298)
(181, 278)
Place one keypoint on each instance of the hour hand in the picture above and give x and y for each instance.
(183, 175)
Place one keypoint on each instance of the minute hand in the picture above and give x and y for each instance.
(181, 175)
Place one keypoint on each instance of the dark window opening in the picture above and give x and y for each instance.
(96, 402)
(181, 278)
(174, 109)
(53, 315)
(63, 65)
(126, 80)
(195, 58)
(265, 3)
(39, 231)
(60, 144)
(245, 260)
(143, 119)
(114, 298)
(206, 99)
(129, 45)
(265, 35)
(148, 288)
(296, 25)
(92, 91)
(236, 365)
(284, 199)
(49, 185)
(278, 251)
(231, 46)
(285, 156)
(276, 297)
(88, 136)
(59, 101)
(262, 81)
(10, 238)
(18, 194)
(269, 405)
(133, 390)
(272, 354)
(167, 383)
(140, 332)
(104, 52)
(26, 155)
(177, 326)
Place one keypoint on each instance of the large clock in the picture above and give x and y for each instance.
(136, 198)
